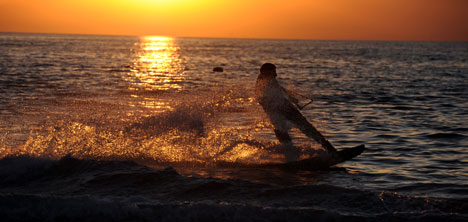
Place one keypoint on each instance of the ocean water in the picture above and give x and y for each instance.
(142, 129)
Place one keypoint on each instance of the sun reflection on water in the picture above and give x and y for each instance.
(158, 68)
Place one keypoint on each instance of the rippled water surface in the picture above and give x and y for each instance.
(157, 101)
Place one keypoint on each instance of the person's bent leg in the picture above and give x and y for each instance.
(291, 153)
(309, 130)
(283, 136)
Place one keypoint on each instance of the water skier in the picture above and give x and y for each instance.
(282, 109)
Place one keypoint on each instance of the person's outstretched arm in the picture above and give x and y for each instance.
(294, 100)
(291, 98)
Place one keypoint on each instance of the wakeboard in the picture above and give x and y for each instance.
(318, 163)
(309, 164)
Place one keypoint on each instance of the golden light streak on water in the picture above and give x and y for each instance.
(158, 68)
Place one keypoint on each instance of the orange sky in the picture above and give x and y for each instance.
(427, 20)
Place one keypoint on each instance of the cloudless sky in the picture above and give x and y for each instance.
(415, 20)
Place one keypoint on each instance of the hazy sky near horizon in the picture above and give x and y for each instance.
(426, 20)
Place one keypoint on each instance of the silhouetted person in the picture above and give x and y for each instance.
(281, 108)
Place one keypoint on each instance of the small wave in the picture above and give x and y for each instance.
(43, 65)
(387, 136)
(459, 191)
(449, 162)
(27, 169)
(446, 136)
(404, 108)
(461, 129)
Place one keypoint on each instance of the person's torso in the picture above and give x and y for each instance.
(270, 94)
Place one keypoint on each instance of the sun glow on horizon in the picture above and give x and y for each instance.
(428, 20)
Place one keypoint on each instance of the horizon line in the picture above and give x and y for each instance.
(246, 38)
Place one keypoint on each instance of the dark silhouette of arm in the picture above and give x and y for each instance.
(295, 100)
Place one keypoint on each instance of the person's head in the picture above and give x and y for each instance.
(268, 69)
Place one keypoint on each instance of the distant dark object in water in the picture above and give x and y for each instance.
(218, 69)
